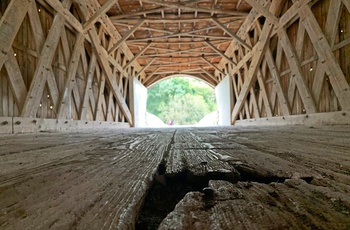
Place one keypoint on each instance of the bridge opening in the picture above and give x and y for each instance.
(179, 101)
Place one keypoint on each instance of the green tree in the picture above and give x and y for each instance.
(184, 100)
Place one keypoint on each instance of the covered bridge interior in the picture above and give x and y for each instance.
(73, 81)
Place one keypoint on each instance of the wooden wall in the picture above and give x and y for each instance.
(51, 66)
(304, 65)
(57, 64)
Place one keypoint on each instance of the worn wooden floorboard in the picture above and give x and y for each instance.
(268, 177)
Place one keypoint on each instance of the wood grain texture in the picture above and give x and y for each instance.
(279, 177)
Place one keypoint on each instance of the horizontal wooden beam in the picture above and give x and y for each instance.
(190, 8)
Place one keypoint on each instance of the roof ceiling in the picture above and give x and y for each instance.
(177, 36)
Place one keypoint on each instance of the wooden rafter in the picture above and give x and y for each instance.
(229, 32)
(138, 55)
(211, 64)
(220, 52)
(126, 36)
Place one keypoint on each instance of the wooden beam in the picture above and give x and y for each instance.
(102, 55)
(71, 72)
(190, 8)
(130, 42)
(261, 9)
(88, 87)
(331, 32)
(10, 23)
(126, 36)
(66, 14)
(15, 78)
(277, 84)
(43, 69)
(220, 52)
(258, 51)
(133, 14)
(210, 75)
(137, 55)
(229, 32)
(347, 4)
(291, 14)
(189, 34)
(327, 58)
(145, 67)
(99, 13)
(39, 36)
(295, 66)
(211, 64)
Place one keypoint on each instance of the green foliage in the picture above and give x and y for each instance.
(183, 100)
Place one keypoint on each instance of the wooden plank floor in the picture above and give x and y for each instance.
(258, 178)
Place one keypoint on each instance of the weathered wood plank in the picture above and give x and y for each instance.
(100, 179)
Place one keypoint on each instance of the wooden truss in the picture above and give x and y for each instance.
(73, 59)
